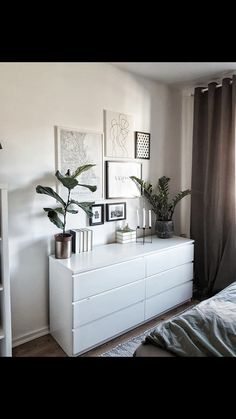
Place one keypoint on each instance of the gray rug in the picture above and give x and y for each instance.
(127, 349)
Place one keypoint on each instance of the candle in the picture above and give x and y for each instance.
(138, 219)
(150, 218)
(144, 215)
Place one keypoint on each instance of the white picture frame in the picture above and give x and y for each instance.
(119, 134)
(118, 182)
(77, 147)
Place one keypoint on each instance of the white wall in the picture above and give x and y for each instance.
(35, 97)
(186, 158)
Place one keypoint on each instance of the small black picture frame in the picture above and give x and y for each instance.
(116, 211)
(98, 215)
(142, 145)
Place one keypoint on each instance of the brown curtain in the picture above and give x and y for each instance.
(213, 188)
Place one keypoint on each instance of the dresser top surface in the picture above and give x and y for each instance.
(109, 254)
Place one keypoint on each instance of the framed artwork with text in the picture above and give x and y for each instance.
(118, 182)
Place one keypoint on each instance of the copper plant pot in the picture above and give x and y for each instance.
(63, 246)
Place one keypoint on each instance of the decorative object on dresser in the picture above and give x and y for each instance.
(118, 182)
(125, 235)
(63, 240)
(144, 227)
(82, 240)
(161, 206)
(76, 147)
(142, 145)
(119, 134)
(98, 215)
(115, 212)
(5, 301)
(117, 288)
(87, 239)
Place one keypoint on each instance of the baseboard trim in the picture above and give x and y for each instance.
(30, 336)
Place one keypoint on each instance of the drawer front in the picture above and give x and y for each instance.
(104, 279)
(168, 299)
(93, 308)
(169, 279)
(92, 334)
(169, 259)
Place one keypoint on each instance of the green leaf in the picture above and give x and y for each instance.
(139, 181)
(68, 181)
(82, 169)
(72, 211)
(59, 210)
(92, 188)
(49, 191)
(85, 206)
(177, 198)
(53, 217)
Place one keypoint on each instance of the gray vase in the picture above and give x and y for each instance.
(164, 229)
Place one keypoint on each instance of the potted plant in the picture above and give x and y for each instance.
(161, 205)
(63, 240)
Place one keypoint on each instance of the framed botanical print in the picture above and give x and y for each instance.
(118, 182)
(76, 147)
(116, 212)
(98, 215)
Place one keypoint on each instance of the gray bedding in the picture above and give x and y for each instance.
(206, 330)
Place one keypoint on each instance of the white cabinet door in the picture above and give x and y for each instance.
(104, 279)
(93, 308)
(169, 279)
(168, 259)
(99, 331)
(168, 299)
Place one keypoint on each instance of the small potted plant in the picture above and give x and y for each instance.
(161, 205)
(63, 240)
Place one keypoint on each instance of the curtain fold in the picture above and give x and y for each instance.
(213, 188)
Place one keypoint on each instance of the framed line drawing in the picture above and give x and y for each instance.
(98, 215)
(76, 147)
(116, 212)
(119, 134)
(142, 145)
(118, 182)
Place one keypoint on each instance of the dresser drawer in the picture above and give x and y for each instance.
(104, 279)
(169, 279)
(101, 305)
(168, 259)
(97, 332)
(168, 299)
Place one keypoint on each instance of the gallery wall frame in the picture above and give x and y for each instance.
(142, 145)
(76, 147)
(118, 182)
(116, 211)
(98, 215)
(119, 134)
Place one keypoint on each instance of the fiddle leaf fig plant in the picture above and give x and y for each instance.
(159, 198)
(69, 181)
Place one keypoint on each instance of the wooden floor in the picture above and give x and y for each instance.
(46, 346)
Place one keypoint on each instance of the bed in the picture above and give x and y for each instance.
(206, 330)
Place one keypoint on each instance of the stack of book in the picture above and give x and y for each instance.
(82, 240)
(125, 236)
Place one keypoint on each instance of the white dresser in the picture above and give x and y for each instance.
(97, 295)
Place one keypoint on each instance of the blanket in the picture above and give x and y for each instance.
(206, 330)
